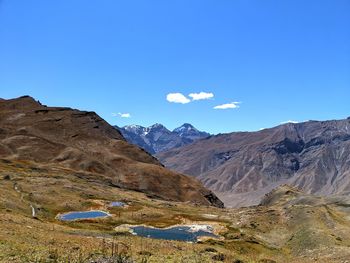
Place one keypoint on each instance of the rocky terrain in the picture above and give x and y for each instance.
(84, 143)
(157, 138)
(241, 167)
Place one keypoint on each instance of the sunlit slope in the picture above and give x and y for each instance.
(242, 166)
(84, 142)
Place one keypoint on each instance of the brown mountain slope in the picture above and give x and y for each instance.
(241, 167)
(82, 141)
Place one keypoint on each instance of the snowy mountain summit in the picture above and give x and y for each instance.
(157, 138)
(189, 132)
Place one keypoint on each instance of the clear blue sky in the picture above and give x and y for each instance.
(284, 60)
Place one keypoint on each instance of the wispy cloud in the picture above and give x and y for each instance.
(289, 121)
(122, 115)
(232, 105)
(201, 95)
(177, 98)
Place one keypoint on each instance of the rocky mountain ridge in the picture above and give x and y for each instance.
(87, 145)
(243, 166)
(157, 138)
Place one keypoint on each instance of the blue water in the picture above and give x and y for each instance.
(174, 233)
(117, 204)
(82, 215)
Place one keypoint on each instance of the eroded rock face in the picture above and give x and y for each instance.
(84, 142)
(213, 199)
(241, 167)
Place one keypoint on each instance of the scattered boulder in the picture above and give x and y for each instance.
(7, 177)
(145, 253)
(210, 250)
(219, 257)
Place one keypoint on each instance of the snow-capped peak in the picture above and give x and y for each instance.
(132, 127)
(157, 138)
(185, 127)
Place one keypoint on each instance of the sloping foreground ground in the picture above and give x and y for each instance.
(289, 227)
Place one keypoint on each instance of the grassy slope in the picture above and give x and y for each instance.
(282, 232)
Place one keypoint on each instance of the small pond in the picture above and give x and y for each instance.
(117, 204)
(180, 233)
(82, 215)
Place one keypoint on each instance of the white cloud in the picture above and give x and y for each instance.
(232, 105)
(289, 121)
(122, 115)
(177, 98)
(201, 95)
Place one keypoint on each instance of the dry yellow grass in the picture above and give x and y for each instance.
(299, 233)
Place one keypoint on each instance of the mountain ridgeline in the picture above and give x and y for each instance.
(157, 138)
(241, 167)
(81, 141)
(57, 162)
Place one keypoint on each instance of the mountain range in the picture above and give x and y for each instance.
(58, 161)
(157, 138)
(241, 167)
(84, 143)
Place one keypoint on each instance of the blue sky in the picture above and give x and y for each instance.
(283, 60)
